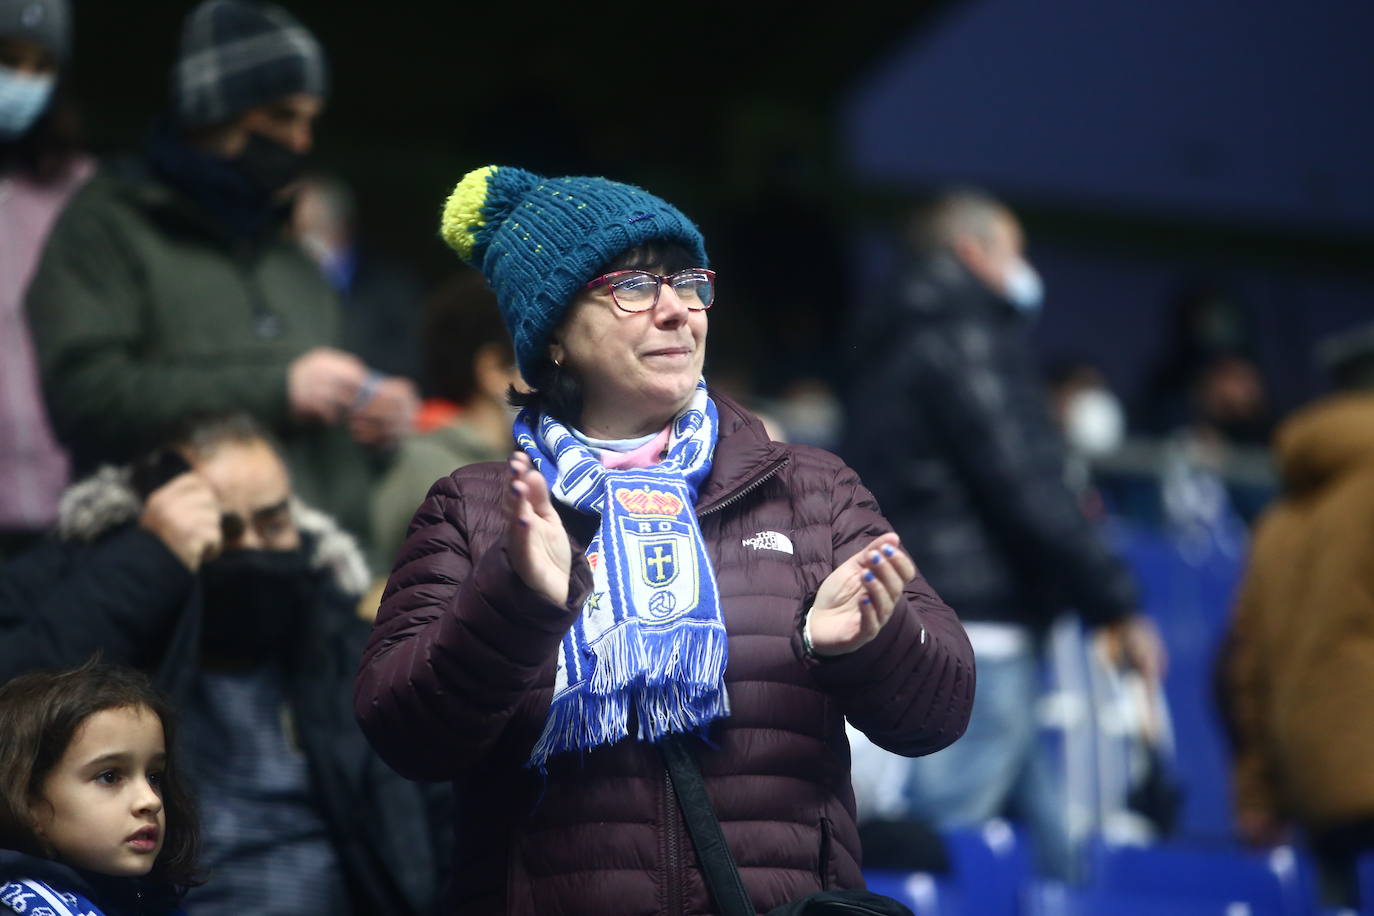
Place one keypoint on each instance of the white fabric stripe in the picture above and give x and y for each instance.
(213, 64)
(201, 34)
(42, 891)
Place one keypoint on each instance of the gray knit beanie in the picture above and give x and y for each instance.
(45, 22)
(238, 54)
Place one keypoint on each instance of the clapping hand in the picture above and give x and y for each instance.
(857, 599)
(535, 537)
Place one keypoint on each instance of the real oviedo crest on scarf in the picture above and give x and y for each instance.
(662, 576)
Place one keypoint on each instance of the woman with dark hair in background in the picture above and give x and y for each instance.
(39, 169)
(555, 620)
(468, 364)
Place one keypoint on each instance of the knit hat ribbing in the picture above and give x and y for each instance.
(45, 22)
(538, 240)
(236, 55)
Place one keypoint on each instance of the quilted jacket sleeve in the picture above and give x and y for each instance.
(60, 604)
(460, 641)
(910, 690)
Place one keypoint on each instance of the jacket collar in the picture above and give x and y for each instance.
(114, 896)
(141, 187)
(744, 455)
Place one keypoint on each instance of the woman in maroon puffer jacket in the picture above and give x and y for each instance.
(647, 563)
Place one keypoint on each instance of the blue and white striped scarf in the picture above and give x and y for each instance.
(33, 897)
(650, 634)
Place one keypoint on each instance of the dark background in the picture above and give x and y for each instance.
(1149, 148)
(681, 98)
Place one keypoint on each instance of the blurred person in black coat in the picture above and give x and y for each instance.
(949, 425)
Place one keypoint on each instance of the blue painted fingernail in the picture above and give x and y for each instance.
(514, 490)
(889, 550)
(868, 577)
(865, 600)
(877, 558)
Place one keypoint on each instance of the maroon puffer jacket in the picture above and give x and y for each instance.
(456, 682)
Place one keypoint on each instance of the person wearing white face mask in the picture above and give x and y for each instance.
(39, 170)
(963, 455)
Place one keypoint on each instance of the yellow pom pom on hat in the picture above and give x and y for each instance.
(463, 211)
(539, 240)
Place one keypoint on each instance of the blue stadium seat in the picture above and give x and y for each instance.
(1057, 900)
(1364, 874)
(1268, 884)
(926, 894)
(991, 867)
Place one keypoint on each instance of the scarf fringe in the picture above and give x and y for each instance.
(677, 709)
(694, 656)
(581, 720)
(618, 659)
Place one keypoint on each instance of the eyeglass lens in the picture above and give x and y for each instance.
(638, 290)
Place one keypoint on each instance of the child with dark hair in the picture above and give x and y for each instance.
(94, 819)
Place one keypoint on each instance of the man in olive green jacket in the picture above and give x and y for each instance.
(168, 288)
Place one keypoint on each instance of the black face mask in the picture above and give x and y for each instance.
(268, 164)
(255, 602)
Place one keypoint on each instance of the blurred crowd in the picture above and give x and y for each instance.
(219, 410)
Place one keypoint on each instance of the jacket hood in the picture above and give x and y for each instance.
(15, 865)
(1326, 440)
(105, 500)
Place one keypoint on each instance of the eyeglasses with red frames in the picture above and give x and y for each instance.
(637, 290)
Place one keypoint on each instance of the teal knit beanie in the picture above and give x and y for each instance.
(539, 240)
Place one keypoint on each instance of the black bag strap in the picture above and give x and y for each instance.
(717, 865)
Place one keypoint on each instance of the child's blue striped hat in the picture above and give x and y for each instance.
(539, 240)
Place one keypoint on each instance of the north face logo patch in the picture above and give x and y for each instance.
(770, 540)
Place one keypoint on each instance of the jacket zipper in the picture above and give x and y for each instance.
(267, 323)
(674, 867)
(747, 489)
(673, 870)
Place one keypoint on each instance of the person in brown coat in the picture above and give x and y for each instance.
(648, 563)
(1298, 667)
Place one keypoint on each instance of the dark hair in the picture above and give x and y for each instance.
(557, 392)
(39, 715)
(200, 434)
(460, 319)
